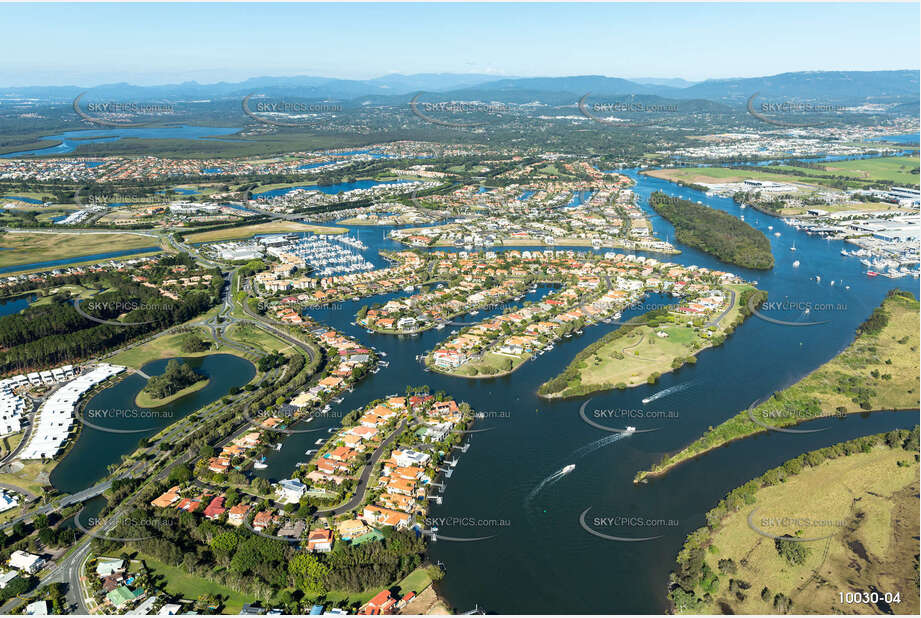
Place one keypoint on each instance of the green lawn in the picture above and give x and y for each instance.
(896, 170)
(168, 346)
(179, 583)
(250, 335)
(417, 581)
(890, 169)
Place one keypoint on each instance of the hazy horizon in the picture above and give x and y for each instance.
(166, 44)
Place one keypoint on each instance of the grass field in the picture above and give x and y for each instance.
(890, 169)
(860, 370)
(417, 581)
(32, 476)
(78, 291)
(9, 443)
(179, 583)
(497, 364)
(631, 359)
(167, 346)
(248, 231)
(867, 502)
(257, 338)
(27, 248)
(897, 170)
(718, 175)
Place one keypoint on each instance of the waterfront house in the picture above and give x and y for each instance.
(219, 465)
(381, 603)
(291, 490)
(385, 517)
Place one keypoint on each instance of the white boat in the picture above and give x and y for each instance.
(630, 429)
(743, 206)
(647, 400)
(259, 466)
(793, 248)
(439, 327)
(770, 227)
(844, 252)
(795, 263)
(777, 234)
(568, 469)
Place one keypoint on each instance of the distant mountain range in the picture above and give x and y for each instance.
(841, 87)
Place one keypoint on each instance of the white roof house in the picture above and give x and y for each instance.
(24, 561)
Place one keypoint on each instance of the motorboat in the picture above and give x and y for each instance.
(630, 429)
(568, 469)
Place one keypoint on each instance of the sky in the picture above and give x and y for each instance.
(146, 44)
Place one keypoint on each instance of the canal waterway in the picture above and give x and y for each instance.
(96, 449)
(546, 562)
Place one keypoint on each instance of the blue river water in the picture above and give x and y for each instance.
(27, 200)
(504, 475)
(548, 563)
(10, 306)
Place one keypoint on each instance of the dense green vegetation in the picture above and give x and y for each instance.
(55, 332)
(717, 233)
(693, 581)
(260, 566)
(176, 377)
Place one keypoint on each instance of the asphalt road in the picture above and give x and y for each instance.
(362, 488)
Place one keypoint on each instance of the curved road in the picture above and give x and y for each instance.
(362, 488)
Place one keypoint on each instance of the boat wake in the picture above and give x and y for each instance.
(550, 480)
(670, 391)
(582, 451)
